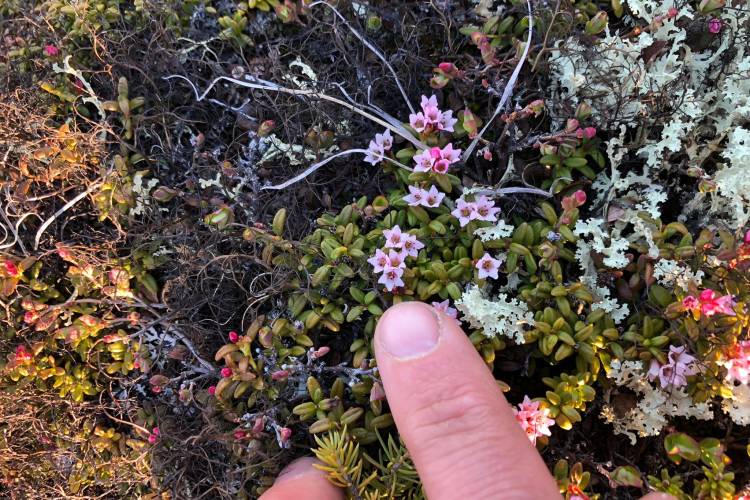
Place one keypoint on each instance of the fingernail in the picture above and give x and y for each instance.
(409, 330)
(300, 467)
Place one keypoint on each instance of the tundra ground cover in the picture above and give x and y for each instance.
(207, 205)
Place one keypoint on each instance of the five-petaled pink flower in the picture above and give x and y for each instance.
(445, 308)
(415, 197)
(465, 211)
(433, 198)
(391, 278)
(393, 237)
(488, 266)
(738, 363)
(673, 373)
(485, 209)
(534, 421)
(437, 159)
(378, 146)
(51, 50)
(411, 245)
(709, 303)
(378, 261)
(714, 25)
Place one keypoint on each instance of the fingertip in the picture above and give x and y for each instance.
(301, 479)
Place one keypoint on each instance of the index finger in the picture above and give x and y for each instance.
(450, 412)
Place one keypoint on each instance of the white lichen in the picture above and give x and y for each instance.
(738, 406)
(503, 316)
(496, 232)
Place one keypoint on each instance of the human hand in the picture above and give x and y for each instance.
(450, 413)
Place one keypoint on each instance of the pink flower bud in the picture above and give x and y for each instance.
(212, 390)
(714, 25)
(30, 317)
(279, 375)
(266, 128)
(589, 132)
(258, 425)
(571, 125)
(233, 337)
(285, 433)
(152, 439)
(239, 434)
(487, 155)
(11, 269)
(747, 236)
(448, 68)
(377, 393)
(226, 372)
(580, 197)
(51, 50)
(322, 351)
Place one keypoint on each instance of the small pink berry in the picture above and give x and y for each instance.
(51, 50)
(226, 372)
(212, 390)
(714, 25)
(233, 337)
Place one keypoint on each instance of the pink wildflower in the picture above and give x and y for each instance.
(465, 211)
(714, 25)
(589, 132)
(393, 237)
(534, 421)
(433, 198)
(234, 337)
(212, 390)
(446, 121)
(673, 373)
(691, 303)
(431, 118)
(738, 363)
(485, 209)
(424, 161)
(378, 261)
(445, 308)
(418, 122)
(375, 153)
(391, 278)
(51, 50)
(711, 303)
(395, 259)
(411, 245)
(488, 266)
(226, 372)
(415, 197)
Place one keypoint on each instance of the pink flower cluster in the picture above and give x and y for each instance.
(418, 196)
(482, 209)
(431, 118)
(673, 373)
(488, 266)
(709, 303)
(437, 159)
(378, 146)
(154, 436)
(400, 245)
(534, 421)
(738, 363)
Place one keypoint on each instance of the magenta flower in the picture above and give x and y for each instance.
(691, 303)
(433, 198)
(709, 303)
(393, 237)
(488, 266)
(445, 308)
(534, 421)
(234, 337)
(437, 159)
(465, 211)
(714, 25)
(411, 245)
(485, 209)
(673, 373)
(738, 363)
(378, 261)
(51, 50)
(391, 278)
